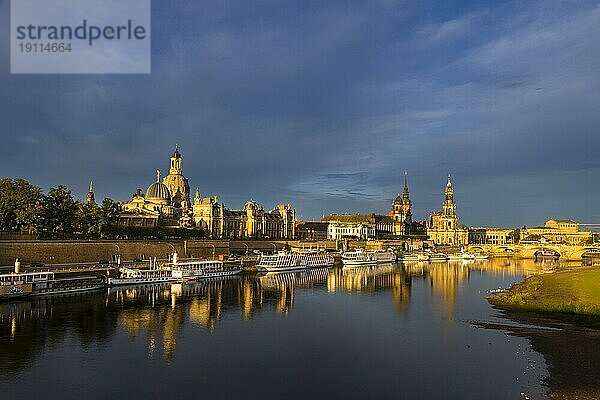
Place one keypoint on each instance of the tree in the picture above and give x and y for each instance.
(20, 204)
(88, 220)
(60, 210)
(515, 236)
(109, 213)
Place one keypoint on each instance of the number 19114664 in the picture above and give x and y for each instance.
(45, 47)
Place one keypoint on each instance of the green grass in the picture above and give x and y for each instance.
(573, 291)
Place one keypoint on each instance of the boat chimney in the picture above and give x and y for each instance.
(174, 258)
(17, 266)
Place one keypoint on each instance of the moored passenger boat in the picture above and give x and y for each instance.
(201, 269)
(287, 261)
(364, 257)
(135, 276)
(15, 285)
(437, 257)
(461, 256)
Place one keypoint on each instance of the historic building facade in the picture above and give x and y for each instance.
(167, 203)
(496, 236)
(311, 230)
(401, 211)
(250, 222)
(153, 208)
(443, 227)
(351, 226)
(556, 231)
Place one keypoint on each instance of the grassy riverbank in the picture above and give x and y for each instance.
(573, 291)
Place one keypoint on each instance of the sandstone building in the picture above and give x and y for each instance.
(443, 227)
(556, 231)
(497, 236)
(167, 203)
(350, 226)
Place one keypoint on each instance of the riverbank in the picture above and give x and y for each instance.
(572, 294)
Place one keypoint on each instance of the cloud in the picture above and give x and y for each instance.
(325, 105)
(436, 34)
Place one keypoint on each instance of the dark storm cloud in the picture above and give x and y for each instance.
(325, 104)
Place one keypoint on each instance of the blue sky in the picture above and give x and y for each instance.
(324, 104)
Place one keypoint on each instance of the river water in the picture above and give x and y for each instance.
(416, 331)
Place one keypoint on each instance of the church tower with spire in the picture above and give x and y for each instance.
(449, 206)
(177, 183)
(443, 227)
(401, 211)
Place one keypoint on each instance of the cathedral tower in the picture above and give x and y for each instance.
(449, 206)
(443, 227)
(401, 211)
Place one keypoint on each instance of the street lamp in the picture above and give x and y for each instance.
(118, 257)
(214, 249)
(274, 248)
(247, 248)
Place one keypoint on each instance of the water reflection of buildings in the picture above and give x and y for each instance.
(157, 313)
(371, 279)
(445, 278)
(161, 310)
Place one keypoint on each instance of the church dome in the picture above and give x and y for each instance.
(158, 191)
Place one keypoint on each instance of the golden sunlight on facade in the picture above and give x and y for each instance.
(166, 202)
(443, 227)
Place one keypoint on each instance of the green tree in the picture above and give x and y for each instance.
(60, 210)
(109, 213)
(88, 220)
(20, 204)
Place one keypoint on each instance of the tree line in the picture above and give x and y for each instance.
(26, 208)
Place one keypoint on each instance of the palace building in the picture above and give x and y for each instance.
(167, 203)
(556, 231)
(443, 227)
(250, 222)
(350, 226)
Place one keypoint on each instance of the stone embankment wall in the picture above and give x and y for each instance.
(66, 252)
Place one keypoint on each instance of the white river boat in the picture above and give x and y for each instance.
(202, 269)
(287, 261)
(366, 257)
(134, 276)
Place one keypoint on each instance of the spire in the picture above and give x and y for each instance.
(90, 196)
(449, 190)
(176, 153)
(405, 194)
(158, 175)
